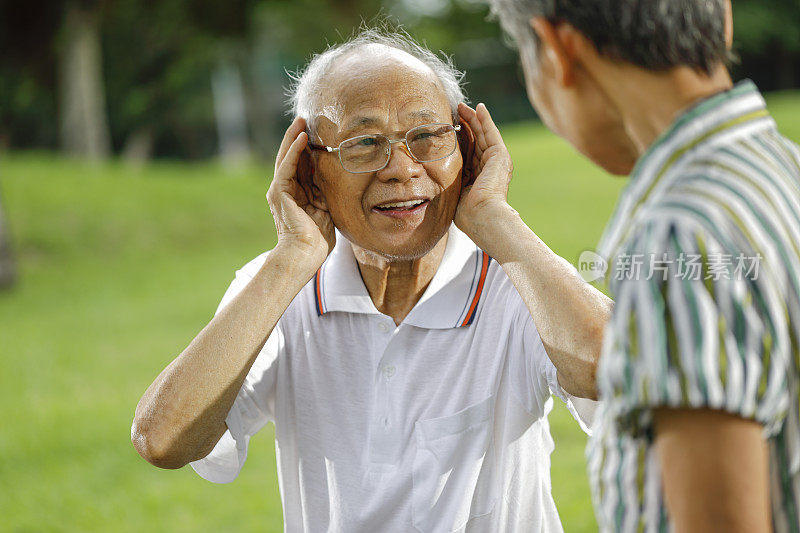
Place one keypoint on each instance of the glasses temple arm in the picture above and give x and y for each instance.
(313, 146)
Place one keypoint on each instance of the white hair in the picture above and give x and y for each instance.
(307, 83)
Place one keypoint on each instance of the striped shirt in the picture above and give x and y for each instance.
(704, 267)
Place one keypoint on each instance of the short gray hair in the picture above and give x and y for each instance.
(652, 34)
(307, 82)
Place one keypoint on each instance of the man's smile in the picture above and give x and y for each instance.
(402, 208)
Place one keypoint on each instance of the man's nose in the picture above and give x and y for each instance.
(401, 166)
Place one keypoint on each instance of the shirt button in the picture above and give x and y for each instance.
(388, 371)
(383, 327)
(386, 422)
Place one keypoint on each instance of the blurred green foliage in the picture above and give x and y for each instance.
(158, 56)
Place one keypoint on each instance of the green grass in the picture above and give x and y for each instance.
(119, 269)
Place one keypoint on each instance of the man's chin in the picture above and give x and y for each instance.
(396, 248)
(618, 168)
(619, 163)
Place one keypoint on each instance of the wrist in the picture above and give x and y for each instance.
(297, 261)
(493, 227)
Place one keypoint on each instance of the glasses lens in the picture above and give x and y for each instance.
(365, 153)
(431, 141)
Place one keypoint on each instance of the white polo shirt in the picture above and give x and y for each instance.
(438, 424)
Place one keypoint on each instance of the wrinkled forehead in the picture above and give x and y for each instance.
(380, 86)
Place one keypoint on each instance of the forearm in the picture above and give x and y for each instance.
(569, 314)
(182, 414)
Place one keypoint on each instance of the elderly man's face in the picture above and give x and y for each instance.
(386, 93)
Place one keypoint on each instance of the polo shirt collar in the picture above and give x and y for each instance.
(451, 299)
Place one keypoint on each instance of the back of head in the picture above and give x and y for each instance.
(651, 34)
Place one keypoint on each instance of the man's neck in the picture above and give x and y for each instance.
(649, 103)
(396, 286)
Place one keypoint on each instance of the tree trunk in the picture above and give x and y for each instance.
(229, 109)
(84, 126)
(138, 148)
(7, 270)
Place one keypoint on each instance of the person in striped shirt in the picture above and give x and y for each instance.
(699, 428)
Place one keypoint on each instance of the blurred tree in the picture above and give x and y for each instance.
(7, 269)
(767, 38)
(159, 72)
(158, 57)
(27, 73)
(32, 73)
(83, 121)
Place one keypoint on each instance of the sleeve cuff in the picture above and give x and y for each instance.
(581, 409)
(225, 461)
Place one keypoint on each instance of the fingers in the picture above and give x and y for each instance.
(471, 117)
(288, 166)
(483, 127)
(491, 160)
(284, 181)
(298, 125)
(491, 133)
(465, 111)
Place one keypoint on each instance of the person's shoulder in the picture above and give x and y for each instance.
(667, 226)
(249, 270)
(299, 306)
(734, 172)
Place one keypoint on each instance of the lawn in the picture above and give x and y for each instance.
(120, 268)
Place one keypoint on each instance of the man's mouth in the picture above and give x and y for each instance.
(410, 204)
(402, 208)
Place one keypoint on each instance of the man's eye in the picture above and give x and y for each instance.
(368, 141)
(422, 136)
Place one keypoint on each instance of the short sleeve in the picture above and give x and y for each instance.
(534, 377)
(696, 324)
(255, 403)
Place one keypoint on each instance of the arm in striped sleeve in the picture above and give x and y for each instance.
(695, 338)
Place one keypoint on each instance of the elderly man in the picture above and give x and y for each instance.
(407, 364)
(700, 424)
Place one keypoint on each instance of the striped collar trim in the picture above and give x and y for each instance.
(451, 300)
(701, 124)
(478, 281)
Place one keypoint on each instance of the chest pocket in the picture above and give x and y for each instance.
(454, 470)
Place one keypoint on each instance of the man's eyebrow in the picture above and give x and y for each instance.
(426, 114)
(359, 122)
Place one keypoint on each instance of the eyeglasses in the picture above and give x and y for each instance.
(370, 153)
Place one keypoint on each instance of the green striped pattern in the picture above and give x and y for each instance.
(720, 183)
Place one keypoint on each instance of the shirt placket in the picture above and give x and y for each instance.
(384, 438)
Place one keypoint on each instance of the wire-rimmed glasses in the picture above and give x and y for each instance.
(371, 153)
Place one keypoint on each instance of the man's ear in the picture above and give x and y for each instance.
(307, 178)
(466, 143)
(557, 48)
